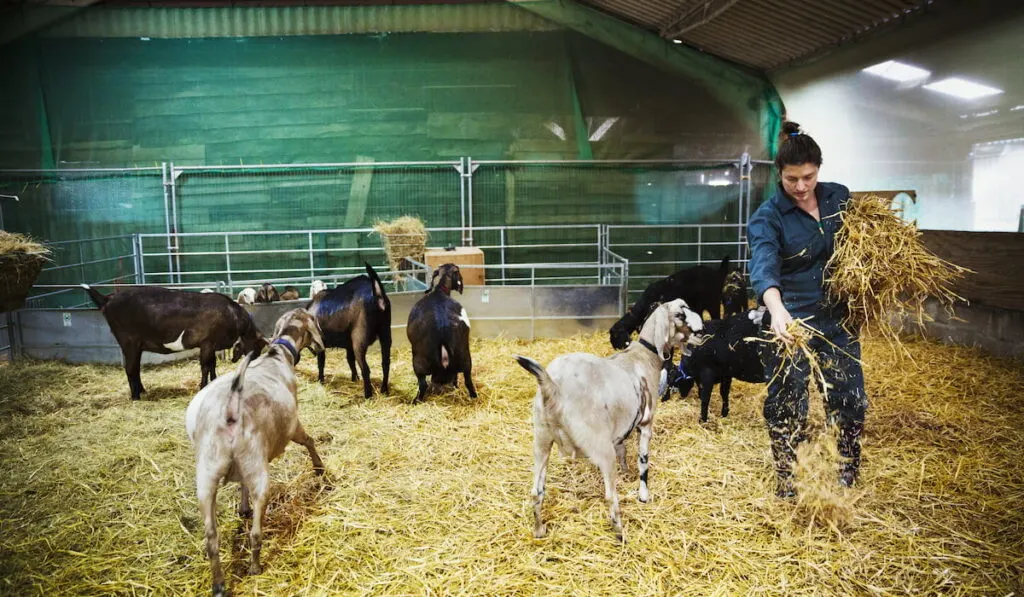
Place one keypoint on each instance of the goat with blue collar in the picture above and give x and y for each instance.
(239, 424)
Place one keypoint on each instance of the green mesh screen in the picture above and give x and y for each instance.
(381, 98)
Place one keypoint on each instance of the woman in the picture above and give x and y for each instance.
(792, 237)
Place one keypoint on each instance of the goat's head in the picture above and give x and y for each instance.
(734, 293)
(301, 327)
(621, 332)
(448, 277)
(670, 325)
(267, 293)
(316, 288)
(246, 344)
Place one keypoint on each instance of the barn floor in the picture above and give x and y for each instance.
(97, 493)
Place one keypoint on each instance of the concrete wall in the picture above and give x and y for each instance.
(82, 335)
(994, 329)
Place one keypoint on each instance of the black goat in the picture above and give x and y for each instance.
(700, 286)
(734, 293)
(161, 320)
(719, 353)
(353, 316)
(267, 294)
(438, 331)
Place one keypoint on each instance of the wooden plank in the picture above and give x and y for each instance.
(994, 256)
(358, 195)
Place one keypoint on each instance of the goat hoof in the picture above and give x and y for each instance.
(245, 513)
(218, 591)
(255, 569)
(540, 532)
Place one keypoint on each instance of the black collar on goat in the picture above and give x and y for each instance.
(649, 347)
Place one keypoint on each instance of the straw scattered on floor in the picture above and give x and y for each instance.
(97, 493)
(884, 272)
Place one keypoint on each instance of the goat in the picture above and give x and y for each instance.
(267, 293)
(438, 331)
(247, 296)
(700, 286)
(290, 293)
(240, 424)
(207, 291)
(161, 320)
(734, 293)
(719, 354)
(591, 404)
(316, 288)
(353, 316)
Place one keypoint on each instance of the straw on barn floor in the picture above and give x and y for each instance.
(97, 493)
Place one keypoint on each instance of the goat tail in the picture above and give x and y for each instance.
(378, 288)
(548, 387)
(97, 297)
(234, 411)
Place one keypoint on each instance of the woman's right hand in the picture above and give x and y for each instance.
(780, 315)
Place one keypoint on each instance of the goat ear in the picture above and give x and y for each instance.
(458, 280)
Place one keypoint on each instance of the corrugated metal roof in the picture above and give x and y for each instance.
(764, 34)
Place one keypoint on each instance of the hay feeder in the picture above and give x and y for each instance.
(21, 260)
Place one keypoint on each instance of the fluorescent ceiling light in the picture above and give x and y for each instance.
(718, 182)
(601, 130)
(677, 41)
(897, 71)
(962, 88)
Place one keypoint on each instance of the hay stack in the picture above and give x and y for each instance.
(21, 258)
(403, 237)
(883, 271)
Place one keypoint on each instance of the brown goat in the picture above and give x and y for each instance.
(290, 293)
(267, 294)
(161, 320)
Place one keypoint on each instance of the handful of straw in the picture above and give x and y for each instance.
(403, 237)
(883, 272)
(799, 347)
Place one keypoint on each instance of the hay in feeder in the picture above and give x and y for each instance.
(884, 272)
(98, 492)
(403, 237)
(21, 259)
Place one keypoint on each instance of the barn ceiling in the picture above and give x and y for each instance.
(764, 34)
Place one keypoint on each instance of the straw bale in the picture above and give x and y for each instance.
(21, 260)
(884, 272)
(403, 237)
(97, 493)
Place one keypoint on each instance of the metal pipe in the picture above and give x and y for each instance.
(167, 218)
(469, 193)
(709, 162)
(74, 170)
(227, 263)
(308, 166)
(142, 261)
(462, 199)
(312, 273)
(80, 264)
(174, 219)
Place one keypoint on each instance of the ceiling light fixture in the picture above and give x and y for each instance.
(897, 71)
(962, 88)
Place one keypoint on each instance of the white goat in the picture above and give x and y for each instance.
(316, 288)
(247, 296)
(590, 404)
(239, 424)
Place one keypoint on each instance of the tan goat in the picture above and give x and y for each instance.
(239, 424)
(590, 404)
